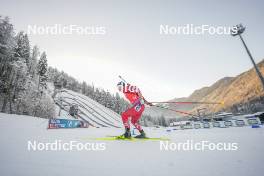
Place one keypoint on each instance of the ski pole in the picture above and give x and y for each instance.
(122, 79)
(181, 112)
(188, 102)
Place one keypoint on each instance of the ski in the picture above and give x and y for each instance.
(121, 138)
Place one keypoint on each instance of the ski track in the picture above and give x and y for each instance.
(92, 113)
(102, 110)
(96, 104)
(89, 110)
(92, 107)
(87, 116)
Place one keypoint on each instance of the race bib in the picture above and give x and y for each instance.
(138, 107)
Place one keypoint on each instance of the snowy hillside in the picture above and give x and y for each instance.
(125, 157)
(89, 110)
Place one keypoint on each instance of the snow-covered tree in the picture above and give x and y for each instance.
(33, 62)
(18, 75)
(42, 71)
(22, 49)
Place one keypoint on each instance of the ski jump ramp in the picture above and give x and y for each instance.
(90, 111)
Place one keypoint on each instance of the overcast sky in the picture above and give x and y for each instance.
(162, 66)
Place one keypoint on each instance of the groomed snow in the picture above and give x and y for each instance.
(89, 110)
(126, 158)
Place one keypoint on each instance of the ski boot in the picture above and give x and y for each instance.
(142, 134)
(126, 135)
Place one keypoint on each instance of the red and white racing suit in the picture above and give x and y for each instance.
(133, 94)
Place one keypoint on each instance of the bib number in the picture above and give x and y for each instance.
(138, 107)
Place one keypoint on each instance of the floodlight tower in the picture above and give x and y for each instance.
(238, 30)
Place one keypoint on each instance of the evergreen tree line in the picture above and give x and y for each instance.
(23, 75)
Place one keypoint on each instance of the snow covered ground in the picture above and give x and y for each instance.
(125, 158)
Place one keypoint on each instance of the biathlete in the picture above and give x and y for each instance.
(133, 94)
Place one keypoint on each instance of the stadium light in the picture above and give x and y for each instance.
(238, 30)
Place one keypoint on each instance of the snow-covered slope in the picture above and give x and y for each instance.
(89, 110)
(127, 158)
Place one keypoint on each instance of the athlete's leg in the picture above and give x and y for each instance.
(125, 117)
(135, 118)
